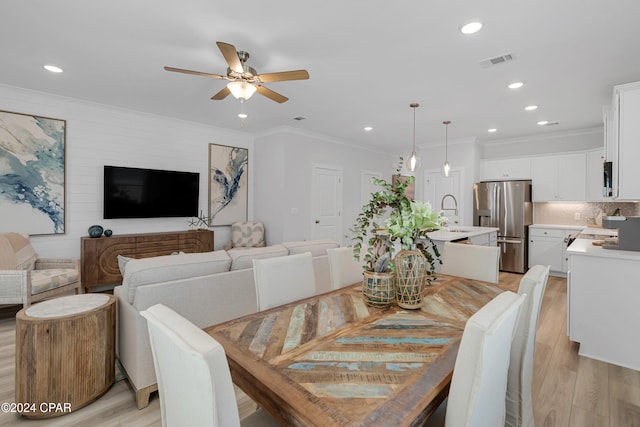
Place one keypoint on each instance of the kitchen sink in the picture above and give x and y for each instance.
(459, 230)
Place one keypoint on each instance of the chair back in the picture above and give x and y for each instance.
(479, 383)
(471, 261)
(194, 382)
(519, 400)
(281, 280)
(344, 268)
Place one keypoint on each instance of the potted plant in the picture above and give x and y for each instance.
(374, 238)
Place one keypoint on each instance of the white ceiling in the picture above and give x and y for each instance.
(368, 60)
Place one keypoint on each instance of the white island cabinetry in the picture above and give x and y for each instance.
(483, 236)
(603, 290)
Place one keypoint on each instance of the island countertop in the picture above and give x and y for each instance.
(459, 232)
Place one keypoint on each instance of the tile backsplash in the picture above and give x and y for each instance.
(588, 213)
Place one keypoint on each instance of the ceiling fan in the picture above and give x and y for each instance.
(244, 80)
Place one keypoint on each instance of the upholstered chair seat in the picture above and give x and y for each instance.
(25, 278)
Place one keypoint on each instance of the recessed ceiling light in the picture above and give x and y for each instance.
(368, 128)
(471, 27)
(516, 85)
(531, 107)
(492, 130)
(543, 122)
(243, 115)
(53, 68)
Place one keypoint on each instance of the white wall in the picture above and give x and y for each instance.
(558, 142)
(100, 135)
(283, 183)
(462, 154)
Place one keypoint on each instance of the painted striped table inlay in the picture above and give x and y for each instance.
(333, 360)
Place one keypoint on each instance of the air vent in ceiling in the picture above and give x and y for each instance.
(501, 59)
(299, 118)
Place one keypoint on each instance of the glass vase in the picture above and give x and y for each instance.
(411, 274)
(378, 288)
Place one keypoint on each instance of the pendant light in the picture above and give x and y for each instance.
(413, 162)
(446, 167)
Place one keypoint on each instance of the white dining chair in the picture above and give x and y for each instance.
(281, 280)
(519, 400)
(194, 382)
(471, 261)
(479, 383)
(344, 268)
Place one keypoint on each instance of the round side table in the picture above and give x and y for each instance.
(65, 354)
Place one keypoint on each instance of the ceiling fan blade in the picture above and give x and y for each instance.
(275, 96)
(196, 73)
(222, 94)
(231, 56)
(284, 75)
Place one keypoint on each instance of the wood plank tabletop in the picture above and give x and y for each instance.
(333, 360)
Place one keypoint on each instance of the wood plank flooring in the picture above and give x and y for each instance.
(568, 390)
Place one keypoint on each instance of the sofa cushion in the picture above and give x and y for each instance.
(43, 280)
(243, 257)
(317, 247)
(144, 271)
(16, 252)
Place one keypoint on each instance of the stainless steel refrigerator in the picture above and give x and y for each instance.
(507, 206)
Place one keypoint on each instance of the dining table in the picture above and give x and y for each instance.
(333, 360)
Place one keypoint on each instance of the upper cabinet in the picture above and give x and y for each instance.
(595, 176)
(559, 178)
(626, 121)
(506, 169)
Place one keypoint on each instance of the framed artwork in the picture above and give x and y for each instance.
(228, 184)
(410, 191)
(32, 173)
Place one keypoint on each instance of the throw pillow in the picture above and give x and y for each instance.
(122, 263)
(16, 252)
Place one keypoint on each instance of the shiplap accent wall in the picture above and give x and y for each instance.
(99, 135)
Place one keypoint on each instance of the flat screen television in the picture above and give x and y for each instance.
(149, 193)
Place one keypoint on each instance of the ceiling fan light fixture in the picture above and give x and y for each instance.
(413, 162)
(241, 89)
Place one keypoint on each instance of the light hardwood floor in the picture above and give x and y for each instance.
(568, 390)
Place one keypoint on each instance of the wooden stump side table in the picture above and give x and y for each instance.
(65, 354)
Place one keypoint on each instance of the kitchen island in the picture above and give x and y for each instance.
(603, 290)
(484, 236)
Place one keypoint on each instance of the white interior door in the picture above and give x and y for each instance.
(436, 186)
(326, 205)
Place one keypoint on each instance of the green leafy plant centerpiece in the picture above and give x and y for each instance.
(374, 237)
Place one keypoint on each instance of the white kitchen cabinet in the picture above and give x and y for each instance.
(506, 169)
(627, 112)
(595, 176)
(548, 246)
(559, 178)
(602, 303)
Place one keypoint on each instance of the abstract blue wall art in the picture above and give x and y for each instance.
(228, 184)
(32, 174)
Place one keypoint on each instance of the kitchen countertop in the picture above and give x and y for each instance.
(464, 232)
(558, 226)
(584, 247)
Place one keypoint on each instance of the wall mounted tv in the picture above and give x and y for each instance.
(149, 193)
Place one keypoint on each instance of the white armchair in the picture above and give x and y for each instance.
(26, 279)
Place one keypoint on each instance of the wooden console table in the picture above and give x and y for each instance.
(65, 354)
(99, 256)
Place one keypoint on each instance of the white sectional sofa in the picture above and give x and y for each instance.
(206, 288)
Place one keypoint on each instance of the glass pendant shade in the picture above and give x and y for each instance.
(241, 89)
(447, 166)
(413, 161)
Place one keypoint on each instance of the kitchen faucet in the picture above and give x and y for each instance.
(455, 204)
